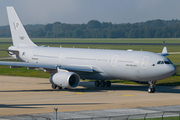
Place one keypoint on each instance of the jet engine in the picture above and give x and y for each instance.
(65, 79)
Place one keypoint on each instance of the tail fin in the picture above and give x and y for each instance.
(19, 35)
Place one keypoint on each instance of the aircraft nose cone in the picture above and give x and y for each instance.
(171, 70)
(168, 71)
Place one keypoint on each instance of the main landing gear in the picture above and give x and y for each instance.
(55, 86)
(151, 88)
(102, 83)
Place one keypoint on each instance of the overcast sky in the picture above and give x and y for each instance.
(82, 11)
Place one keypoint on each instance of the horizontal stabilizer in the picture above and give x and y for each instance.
(13, 51)
(9, 50)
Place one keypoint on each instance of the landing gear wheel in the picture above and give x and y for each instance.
(97, 83)
(54, 86)
(59, 88)
(108, 83)
(103, 84)
(151, 90)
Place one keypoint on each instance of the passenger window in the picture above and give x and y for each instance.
(159, 62)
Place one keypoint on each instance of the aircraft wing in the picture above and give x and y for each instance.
(51, 66)
(77, 68)
(25, 64)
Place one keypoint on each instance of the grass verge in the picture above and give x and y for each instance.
(160, 118)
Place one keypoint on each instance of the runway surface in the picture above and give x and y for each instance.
(23, 95)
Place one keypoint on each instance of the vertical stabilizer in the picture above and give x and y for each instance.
(19, 35)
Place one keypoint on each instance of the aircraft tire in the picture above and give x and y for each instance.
(54, 86)
(108, 83)
(103, 83)
(151, 90)
(59, 88)
(97, 83)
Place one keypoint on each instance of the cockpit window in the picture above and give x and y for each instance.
(167, 62)
(164, 62)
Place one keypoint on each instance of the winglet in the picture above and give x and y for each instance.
(164, 52)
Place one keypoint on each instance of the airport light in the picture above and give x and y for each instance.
(56, 112)
(163, 115)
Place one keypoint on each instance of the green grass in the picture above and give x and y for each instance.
(5, 70)
(110, 40)
(104, 40)
(160, 118)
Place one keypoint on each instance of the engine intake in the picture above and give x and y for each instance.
(65, 79)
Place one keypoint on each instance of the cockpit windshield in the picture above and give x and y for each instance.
(164, 62)
(167, 62)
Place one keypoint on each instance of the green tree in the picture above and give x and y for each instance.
(94, 24)
(78, 33)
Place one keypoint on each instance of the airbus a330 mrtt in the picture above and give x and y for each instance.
(69, 65)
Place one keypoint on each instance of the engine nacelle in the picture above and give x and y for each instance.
(65, 79)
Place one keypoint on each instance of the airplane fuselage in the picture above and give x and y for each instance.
(110, 64)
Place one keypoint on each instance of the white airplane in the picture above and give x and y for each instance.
(68, 65)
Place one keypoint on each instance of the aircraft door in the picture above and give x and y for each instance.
(113, 65)
(114, 60)
(60, 57)
(144, 62)
(29, 55)
(144, 66)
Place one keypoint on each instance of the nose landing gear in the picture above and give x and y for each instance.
(151, 88)
(102, 83)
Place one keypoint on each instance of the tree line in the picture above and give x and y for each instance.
(95, 29)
